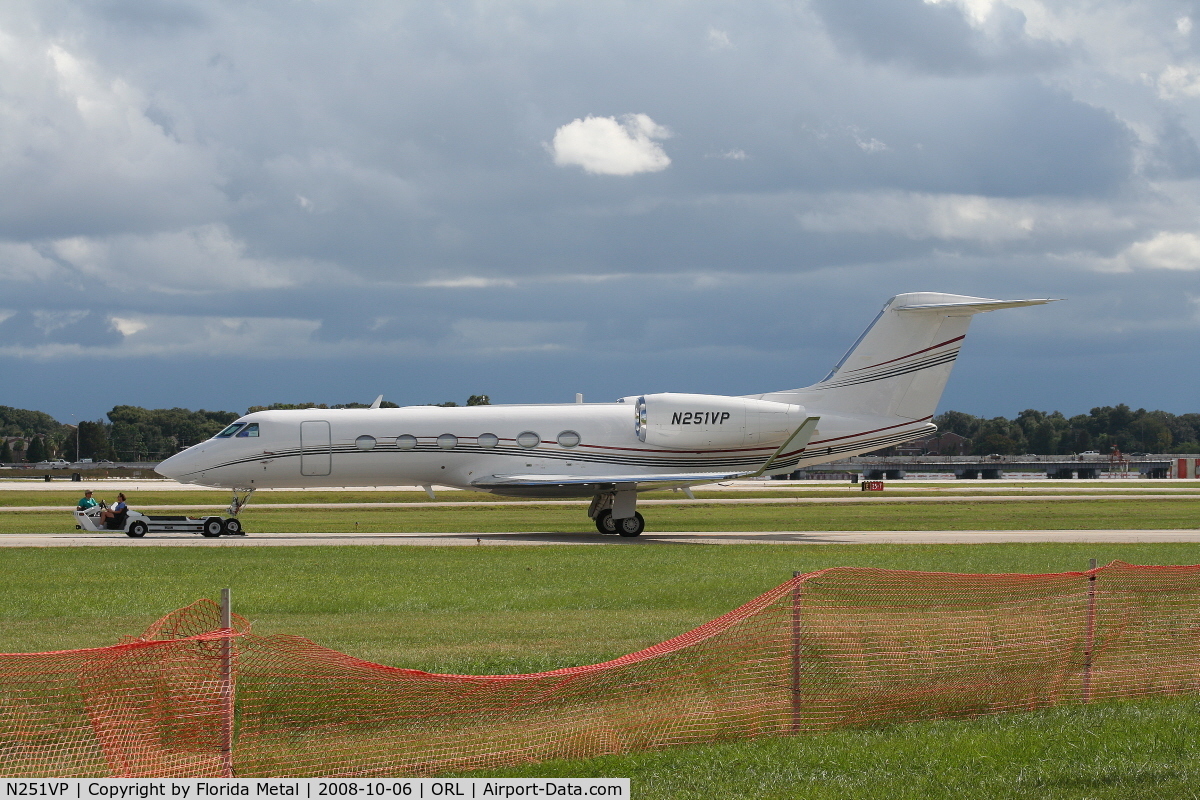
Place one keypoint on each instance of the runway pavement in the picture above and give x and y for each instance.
(774, 501)
(81, 539)
(1016, 485)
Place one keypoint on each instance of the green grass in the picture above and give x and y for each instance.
(151, 497)
(462, 609)
(966, 515)
(1143, 749)
(514, 609)
(517, 609)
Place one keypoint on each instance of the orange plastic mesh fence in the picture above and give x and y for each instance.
(827, 649)
(148, 707)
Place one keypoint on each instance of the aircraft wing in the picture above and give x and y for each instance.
(643, 480)
(587, 486)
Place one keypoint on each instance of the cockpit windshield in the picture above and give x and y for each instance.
(249, 430)
(230, 431)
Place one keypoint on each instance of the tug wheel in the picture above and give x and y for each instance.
(212, 527)
(137, 529)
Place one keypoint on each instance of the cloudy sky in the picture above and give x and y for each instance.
(218, 204)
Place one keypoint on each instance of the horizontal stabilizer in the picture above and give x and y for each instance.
(976, 305)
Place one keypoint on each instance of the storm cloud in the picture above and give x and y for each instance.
(214, 204)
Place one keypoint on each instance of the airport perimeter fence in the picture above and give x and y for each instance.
(196, 696)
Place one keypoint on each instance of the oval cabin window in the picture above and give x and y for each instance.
(488, 440)
(406, 442)
(365, 442)
(528, 439)
(447, 441)
(568, 438)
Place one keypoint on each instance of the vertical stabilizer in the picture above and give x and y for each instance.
(900, 364)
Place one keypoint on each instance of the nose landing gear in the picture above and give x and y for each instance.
(233, 526)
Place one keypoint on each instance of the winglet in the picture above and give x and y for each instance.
(799, 437)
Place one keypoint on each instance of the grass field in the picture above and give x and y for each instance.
(515, 609)
(462, 609)
(66, 498)
(1027, 514)
(1113, 751)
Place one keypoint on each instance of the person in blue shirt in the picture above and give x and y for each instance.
(118, 510)
(87, 502)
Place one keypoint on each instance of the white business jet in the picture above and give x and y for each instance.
(883, 392)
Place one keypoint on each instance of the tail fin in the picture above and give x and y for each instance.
(901, 362)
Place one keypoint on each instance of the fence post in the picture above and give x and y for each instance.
(1089, 632)
(796, 631)
(227, 685)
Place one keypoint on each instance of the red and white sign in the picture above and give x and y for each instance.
(872, 486)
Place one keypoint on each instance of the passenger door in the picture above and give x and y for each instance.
(316, 448)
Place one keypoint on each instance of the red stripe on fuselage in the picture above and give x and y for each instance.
(918, 352)
(646, 450)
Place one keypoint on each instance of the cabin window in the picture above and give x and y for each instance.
(488, 440)
(230, 431)
(365, 442)
(406, 442)
(528, 439)
(249, 430)
(568, 438)
(447, 441)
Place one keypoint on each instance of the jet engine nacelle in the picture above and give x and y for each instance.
(696, 421)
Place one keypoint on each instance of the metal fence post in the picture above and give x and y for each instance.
(796, 633)
(1089, 632)
(227, 685)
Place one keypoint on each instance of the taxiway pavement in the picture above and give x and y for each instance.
(81, 539)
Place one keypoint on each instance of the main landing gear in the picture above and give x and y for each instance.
(630, 526)
(615, 512)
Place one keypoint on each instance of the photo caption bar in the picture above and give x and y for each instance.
(316, 788)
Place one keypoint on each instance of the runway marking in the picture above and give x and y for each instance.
(77, 539)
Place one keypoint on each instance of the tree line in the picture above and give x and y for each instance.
(132, 433)
(1101, 429)
(128, 433)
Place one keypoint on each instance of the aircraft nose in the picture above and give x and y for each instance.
(178, 465)
(171, 468)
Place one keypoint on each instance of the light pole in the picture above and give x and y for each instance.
(76, 438)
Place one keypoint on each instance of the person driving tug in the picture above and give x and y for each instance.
(114, 518)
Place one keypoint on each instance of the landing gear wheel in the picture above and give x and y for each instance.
(233, 527)
(604, 522)
(630, 526)
(213, 526)
(137, 529)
